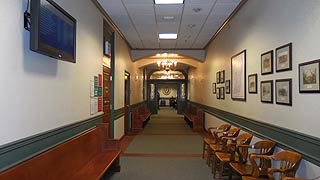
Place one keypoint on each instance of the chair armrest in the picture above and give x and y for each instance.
(254, 156)
(271, 171)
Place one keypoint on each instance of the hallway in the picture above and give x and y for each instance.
(165, 149)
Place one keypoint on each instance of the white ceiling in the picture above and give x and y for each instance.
(140, 21)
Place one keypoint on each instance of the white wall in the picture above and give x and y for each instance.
(39, 93)
(261, 26)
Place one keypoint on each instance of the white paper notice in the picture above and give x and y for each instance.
(92, 110)
(91, 88)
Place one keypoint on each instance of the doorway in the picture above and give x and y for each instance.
(127, 119)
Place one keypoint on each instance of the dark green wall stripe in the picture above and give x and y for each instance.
(118, 113)
(16, 152)
(308, 146)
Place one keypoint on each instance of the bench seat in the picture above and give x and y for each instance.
(194, 117)
(95, 169)
(87, 156)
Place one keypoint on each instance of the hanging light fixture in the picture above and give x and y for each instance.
(167, 63)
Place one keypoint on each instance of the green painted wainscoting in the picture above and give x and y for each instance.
(307, 145)
(16, 152)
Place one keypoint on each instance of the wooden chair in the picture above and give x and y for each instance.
(264, 147)
(232, 133)
(211, 138)
(288, 162)
(228, 152)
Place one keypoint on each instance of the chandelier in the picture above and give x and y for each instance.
(166, 63)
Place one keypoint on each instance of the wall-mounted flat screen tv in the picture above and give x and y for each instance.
(52, 31)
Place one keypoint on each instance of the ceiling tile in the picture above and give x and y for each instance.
(168, 9)
(140, 21)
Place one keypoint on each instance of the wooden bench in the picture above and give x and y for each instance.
(85, 157)
(140, 116)
(194, 117)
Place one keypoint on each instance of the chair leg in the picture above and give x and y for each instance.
(214, 166)
(221, 170)
(209, 153)
(204, 149)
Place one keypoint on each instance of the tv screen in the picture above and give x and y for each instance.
(53, 31)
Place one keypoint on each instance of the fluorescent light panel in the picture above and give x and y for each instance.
(168, 36)
(168, 1)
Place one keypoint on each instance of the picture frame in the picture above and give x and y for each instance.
(309, 77)
(221, 92)
(214, 86)
(284, 92)
(218, 93)
(227, 84)
(267, 91)
(267, 63)
(284, 58)
(252, 83)
(238, 76)
(218, 77)
(222, 76)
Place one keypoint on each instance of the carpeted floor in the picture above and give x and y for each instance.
(166, 149)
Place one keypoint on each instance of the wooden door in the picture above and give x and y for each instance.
(106, 94)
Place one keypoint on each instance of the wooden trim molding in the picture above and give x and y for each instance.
(110, 21)
(226, 22)
(16, 152)
(137, 104)
(308, 146)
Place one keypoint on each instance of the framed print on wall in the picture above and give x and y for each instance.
(222, 75)
(309, 77)
(218, 77)
(267, 63)
(214, 86)
(284, 58)
(238, 76)
(284, 91)
(221, 92)
(227, 86)
(218, 93)
(252, 83)
(267, 91)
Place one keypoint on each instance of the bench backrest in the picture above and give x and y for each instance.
(60, 162)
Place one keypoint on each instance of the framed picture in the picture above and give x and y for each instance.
(227, 86)
(267, 63)
(252, 83)
(214, 88)
(309, 77)
(222, 75)
(267, 91)
(221, 92)
(218, 77)
(218, 93)
(284, 58)
(238, 76)
(284, 91)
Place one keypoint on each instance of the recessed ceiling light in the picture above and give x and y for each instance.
(167, 18)
(168, 36)
(168, 1)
